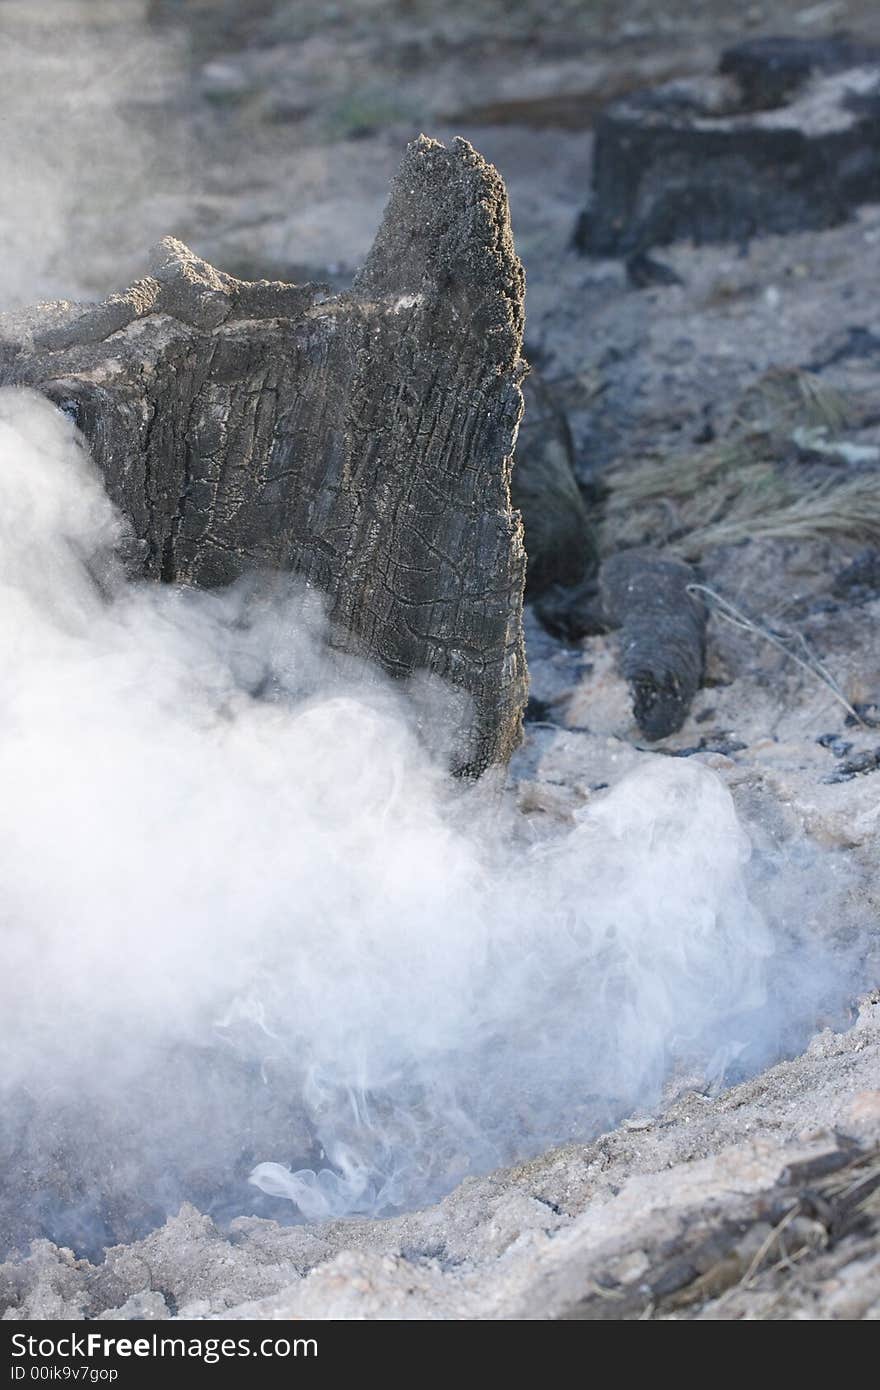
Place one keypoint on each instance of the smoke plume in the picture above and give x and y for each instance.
(261, 952)
(87, 179)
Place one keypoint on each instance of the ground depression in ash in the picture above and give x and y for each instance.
(256, 934)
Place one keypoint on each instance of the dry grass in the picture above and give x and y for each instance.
(786, 397)
(739, 490)
(793, 645)
(850, 507)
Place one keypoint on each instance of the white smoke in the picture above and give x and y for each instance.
(87, 179)
(250, 924)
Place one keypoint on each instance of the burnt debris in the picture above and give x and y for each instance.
(859, 581)
(835, 744)
(662, 635)
(786, 137)
(815, 1205)
(559, 539)
(869, 761)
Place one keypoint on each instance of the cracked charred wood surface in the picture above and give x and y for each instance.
(662, 635)
(363, 441)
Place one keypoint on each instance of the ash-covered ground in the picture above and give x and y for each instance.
(267, 144)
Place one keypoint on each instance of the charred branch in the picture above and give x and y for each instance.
(662, 635)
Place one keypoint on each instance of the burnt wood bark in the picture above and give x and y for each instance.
(362, 441)
(662, 635)
(786, 138)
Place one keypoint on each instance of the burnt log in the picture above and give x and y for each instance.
(662, 635)
(363, 441)
(559, 539)
(785, 138)
(771, 70)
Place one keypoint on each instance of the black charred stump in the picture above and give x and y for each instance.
(363, 441)
(786, 138)
(771, 71)
(662, 635)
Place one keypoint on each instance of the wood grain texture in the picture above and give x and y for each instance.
(363, 441)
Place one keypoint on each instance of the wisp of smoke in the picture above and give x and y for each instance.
(87, 178)
(257, 942)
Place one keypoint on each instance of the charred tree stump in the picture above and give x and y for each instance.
(662, 635)
(786, 138)
(363, 442)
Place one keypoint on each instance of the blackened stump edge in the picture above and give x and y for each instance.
(363, 442)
